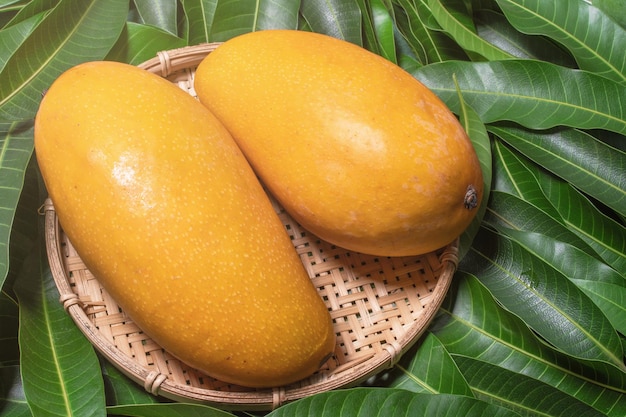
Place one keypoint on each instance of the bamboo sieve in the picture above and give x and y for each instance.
(380, 306)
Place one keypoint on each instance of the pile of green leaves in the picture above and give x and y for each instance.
(534, 323)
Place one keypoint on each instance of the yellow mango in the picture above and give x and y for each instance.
(356, 149)
(168, 215)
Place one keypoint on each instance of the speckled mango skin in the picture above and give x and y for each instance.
(166, 212)
(356, 149)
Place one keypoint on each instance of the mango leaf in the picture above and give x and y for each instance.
(369, 41)
(430, 370)
(428, 45)
(519, 392)
(383, 28)
(121, 390)
(534, 94)
(24, 230)
(167, 410)
(493, 27)
(570, 22)
(9, 354)
(453, 16)
(139, 42)
(59, 367)
(199, 16)
(66, 37)
(550, 304)
(337, 18)
(16, 146)
(12, 398)
(32, 8)
(606, 236)
(236, 17)
(615, 9)
(361, 402)
(585, 162)
(477, 132)
(13, 36)
(512, 176)
(602, 284)
(515, 213)
(470, 323)
(161, 14)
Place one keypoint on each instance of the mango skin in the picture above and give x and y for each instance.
(356, 149)
(166, 212)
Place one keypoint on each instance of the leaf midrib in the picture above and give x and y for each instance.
(52, 56)
(614, 360)
(539, 359)
(570, 36)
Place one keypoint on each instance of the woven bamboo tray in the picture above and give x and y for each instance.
(380, 306)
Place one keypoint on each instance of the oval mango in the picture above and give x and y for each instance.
(166, 212)
(356, 149)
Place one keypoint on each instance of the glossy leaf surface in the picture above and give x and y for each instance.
(472, 324)
(71, 33)
(338, 18)
(585, 162)
(16, 145)
(535, 94)
(361, 402)
(552, 305)
(596, 41)
(59, 367)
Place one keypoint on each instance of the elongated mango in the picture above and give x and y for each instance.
(166, 212)
(356, 149)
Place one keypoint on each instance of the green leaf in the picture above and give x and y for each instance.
(138, 43)
(9, 354)
(454, 18)
(361, 402)
(12, 37)
(121, 390)
(493, 27)
(516, 213)
(535, 94)
(236, 17)
(430, 370)
(596, 42)
(24, 230)
(72, 33)
(428, 45)
(32, 8)
(477, 132)
(370, 41)
(12, 393)
(471, 323)
(158, 13)
(340, 19)
(519, 392)
(615, 9)
(383, 27)
(585, 162)
(512, 176)
(551, 304)
(59, 367)
(199, 16)
(16, 146)
(167, 410)
(606, 236)
(604, 286)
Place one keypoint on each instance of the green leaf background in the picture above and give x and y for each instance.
(535, 321)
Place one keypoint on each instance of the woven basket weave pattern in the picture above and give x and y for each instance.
(379, 305)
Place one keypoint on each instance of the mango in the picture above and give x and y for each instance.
(167, 214)
(357, 150)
